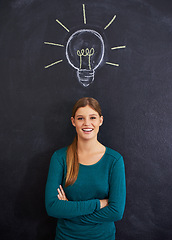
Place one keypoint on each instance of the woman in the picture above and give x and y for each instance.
(85, 188)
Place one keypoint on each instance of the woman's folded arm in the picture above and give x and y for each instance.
(117, 196)
(64, 209)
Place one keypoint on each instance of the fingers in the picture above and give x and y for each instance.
(61, 194)
(103, 203)
(62, 191)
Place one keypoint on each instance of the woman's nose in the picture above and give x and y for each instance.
(86, 121)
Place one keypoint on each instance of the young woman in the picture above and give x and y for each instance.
(85, 187)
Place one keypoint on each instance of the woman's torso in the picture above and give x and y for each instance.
(92, 183)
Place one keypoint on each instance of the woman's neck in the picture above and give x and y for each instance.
(89, 146)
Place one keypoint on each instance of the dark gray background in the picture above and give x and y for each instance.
(36, 103)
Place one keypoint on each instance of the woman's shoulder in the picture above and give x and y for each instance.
(113, 154)
(115, 159)
(61, 151)
(59, 155)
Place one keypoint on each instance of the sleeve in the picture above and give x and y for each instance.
(59, 208)
(117, 197)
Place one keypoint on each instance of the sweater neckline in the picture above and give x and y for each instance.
(100, 160)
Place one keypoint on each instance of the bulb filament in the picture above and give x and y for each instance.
(85, 53)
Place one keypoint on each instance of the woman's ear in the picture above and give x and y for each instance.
(73, 121)
(101, 120)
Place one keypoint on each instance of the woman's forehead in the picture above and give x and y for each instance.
(87, 110)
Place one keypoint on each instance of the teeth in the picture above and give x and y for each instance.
(87, 130)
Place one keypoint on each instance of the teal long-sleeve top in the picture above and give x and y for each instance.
(81, 218)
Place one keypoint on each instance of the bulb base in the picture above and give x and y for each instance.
(85, 77)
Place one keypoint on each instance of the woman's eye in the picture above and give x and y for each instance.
(80, 118)
(93, 117)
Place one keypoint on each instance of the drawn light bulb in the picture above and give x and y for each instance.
(85, 52)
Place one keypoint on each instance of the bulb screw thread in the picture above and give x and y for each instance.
(85, 77)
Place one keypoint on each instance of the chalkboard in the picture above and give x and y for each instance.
(132, 82)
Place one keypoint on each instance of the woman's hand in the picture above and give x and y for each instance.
(61, 194)
(103, 203)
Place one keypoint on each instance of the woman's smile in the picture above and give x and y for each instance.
(87, 130)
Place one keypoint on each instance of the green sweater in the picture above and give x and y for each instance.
(81, 218)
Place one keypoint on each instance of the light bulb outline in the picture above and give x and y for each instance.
(92, 32)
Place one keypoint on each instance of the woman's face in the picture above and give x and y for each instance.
(87, 122)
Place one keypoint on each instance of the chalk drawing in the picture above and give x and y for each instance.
(84, 15)
(54, 44)
(54, 63)
(88, 53)
(88, 56)
(114, 48)
(114, 64)
(85, 51)
(80, 54)
(62, 25)
(110, 22)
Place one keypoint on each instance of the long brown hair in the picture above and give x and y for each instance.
(72, 156)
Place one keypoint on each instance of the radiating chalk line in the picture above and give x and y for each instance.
(114, 64)
(110, 22)
(113, 48)
(54, 44)
(53, 63)
(62, 25)
(84, 15)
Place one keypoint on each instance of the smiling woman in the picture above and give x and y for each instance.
(85, 187)
(87, 122)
